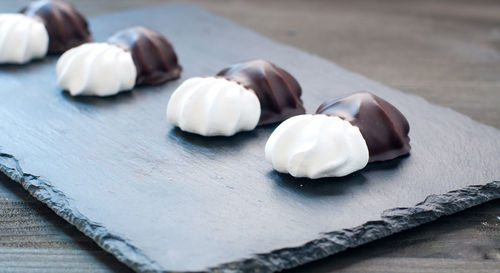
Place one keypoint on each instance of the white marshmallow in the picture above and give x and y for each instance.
(316, 146)
(22, 38)
(211, 106)
(99, 69)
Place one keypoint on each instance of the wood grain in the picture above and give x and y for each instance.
(34, 239)
(445, 51)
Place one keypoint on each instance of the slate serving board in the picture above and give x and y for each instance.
(163, 200)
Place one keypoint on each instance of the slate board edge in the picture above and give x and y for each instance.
(392, 221)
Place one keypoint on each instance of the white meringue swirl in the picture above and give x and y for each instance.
(99, 69)
(212, 106)
(22, 38)
(316, 146)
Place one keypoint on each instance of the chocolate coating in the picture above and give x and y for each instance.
(153, 55)
(278, 91)
(383, 127)
(66, 27)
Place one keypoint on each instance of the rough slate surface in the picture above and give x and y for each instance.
(163, 200)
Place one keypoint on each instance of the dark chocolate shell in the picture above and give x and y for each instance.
(278, 91)
(383, 127)
(66, 27)
(153, 55)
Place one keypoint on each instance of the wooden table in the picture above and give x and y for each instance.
(445, 51)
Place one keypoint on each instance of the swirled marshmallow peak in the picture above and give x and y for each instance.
(316, 146)
(22, 38)
(213, 106)
(99, 69)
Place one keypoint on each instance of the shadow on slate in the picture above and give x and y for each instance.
(162, 200)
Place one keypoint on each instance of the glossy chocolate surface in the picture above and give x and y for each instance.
(383, 127)
(153, 55)
(278, 91)
(168, 201)
(66, 27)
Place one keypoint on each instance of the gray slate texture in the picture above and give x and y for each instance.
(163, 200)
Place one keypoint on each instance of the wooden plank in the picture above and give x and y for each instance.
(465, 241)
(90, 159)
(468, 239)
(463, 23)
(420, 265)
(34, 239)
